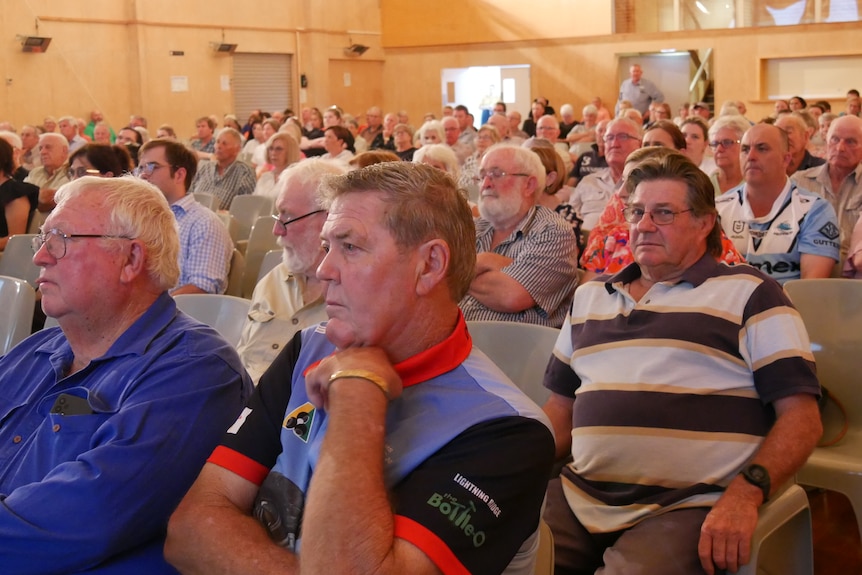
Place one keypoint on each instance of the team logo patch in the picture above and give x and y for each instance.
(784, 227)
(738, 226)
(830, 230)
(300, 420)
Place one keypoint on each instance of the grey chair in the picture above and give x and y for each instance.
(225, 313)
(17, 300)
(17, 260)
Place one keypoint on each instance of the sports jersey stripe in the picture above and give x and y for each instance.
(238, 463)
(430, 544)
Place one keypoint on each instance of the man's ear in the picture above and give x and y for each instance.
(135, 263)
(432, 265)
(180, 176)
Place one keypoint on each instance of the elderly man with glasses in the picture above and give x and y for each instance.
(621, 137)
(684, 390)
(205, 244)
(106, 421)
(290, 297)
(526, 268)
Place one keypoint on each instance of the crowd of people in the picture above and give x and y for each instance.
(354, 427)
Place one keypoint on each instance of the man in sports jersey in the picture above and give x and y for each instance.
(378, 442)
(684, 390)
(784, 231)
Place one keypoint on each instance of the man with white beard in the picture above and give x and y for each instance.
(526, 269)
(290, 297)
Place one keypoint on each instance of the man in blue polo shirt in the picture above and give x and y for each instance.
(106, 420)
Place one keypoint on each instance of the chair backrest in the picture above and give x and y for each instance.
(17, 299)
(17, 260)
(231, 224)
(521, 350)
(206, 199)
(260, 241)
(247, 208)
(226, 314)
(235, 273)
(832, 312)
(270, 260)
(36, 222)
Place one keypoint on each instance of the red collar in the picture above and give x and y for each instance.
(434, 361)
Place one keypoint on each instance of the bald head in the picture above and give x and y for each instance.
(548, 128)
(500, 122)
(844, 143)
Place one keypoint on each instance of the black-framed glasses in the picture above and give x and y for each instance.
(495, 174)
(659, 216)
(81, 171)
(54, 241)
(147, 169)
(294, 220)
(726, 143)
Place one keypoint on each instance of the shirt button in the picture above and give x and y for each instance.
(56, 427)
(294, 321)
(16, 439)
(275, 346)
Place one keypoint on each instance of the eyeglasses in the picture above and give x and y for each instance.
(75, 173)
(294, 220)
(495, 174)
(54, 241)
(147, 169)
(659, 216)
(622, 137)
(723, 143)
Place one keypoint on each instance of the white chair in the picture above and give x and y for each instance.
(832, 312)
(225, 313)
(782, 542)
(270, 260)
(17, 299)
(235, 273)
(260, 241)
(231, 224)
(247, 209)
(206, 199)
(17, 260)
(521, 350)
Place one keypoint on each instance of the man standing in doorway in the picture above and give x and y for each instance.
(639, 91)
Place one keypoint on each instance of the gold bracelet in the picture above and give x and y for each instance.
(361, 374)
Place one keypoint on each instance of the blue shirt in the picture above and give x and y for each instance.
(85, 493)
(205, 246)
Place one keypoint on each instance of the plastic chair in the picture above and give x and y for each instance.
(247, 209)
(545, 554)
(782, 542)
(521, 350)
(235, 273)
(17, 260)
(231, 224)
(17, 299)
(206, 199)
(260, 241)
(832, 312)
(270, 260)
(226, 314)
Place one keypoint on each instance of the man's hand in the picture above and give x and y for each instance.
(725, 536)
(491, 262)
(371, 359)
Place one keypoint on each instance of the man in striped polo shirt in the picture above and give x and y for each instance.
(696, 395)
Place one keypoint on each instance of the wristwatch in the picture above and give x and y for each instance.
(758, 476)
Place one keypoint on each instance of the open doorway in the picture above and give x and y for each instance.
(682, 75)
(480, 87)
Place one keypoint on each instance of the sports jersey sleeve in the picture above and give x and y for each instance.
(820, 234)
(252, 444)
(471, 505)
